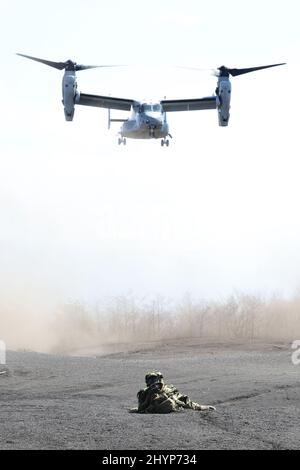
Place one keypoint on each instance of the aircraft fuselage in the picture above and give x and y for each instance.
(148, 121)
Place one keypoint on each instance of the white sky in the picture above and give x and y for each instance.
(217, 211)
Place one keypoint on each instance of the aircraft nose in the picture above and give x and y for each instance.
(152, 121)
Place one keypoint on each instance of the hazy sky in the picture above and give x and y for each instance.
(218, 210)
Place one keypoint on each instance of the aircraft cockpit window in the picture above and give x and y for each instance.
(150, 107)
(144, 108)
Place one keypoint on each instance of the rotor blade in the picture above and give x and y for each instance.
(68, 65)
(86, 67)
(56, 65)
(235, 72)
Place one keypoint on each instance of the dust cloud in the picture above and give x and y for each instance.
(25, 316)
(35, 323)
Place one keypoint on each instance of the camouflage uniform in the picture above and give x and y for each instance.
(158, 397)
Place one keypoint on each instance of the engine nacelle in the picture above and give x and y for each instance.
(69, 92)
(223, 92)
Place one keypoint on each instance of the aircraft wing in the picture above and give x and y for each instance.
(104, 102)
(189, 104)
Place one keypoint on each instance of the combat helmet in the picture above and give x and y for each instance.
(153, 377)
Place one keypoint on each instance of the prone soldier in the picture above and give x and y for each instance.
(159, 397)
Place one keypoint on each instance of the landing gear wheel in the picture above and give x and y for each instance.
(167, 143)
(162, 143)
(121, 140)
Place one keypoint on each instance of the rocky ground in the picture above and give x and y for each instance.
(82, 402)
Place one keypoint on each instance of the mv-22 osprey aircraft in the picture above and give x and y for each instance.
(147, 120)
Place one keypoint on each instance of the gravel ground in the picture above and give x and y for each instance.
(82, 402)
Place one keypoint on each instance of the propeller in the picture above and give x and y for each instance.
(68, 65)
(225, 71)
